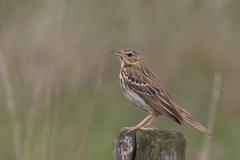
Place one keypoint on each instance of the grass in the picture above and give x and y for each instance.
(60, 94)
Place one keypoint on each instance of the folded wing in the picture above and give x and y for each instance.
(153, 94)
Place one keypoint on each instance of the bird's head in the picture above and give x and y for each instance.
(129, 57)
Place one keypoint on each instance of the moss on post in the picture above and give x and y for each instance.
(149, 145)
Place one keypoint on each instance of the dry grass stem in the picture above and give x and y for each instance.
(30, 120)
(55, 121)
(56, 85)
(11, 107)
(47, 118)
(204, 155)
(90, 109)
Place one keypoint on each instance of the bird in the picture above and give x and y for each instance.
(142, 87)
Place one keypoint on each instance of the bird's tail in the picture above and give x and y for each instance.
(187, 117)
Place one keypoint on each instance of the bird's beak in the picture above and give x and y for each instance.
(118, 53)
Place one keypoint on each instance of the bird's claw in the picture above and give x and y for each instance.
(146, 129)
(130, 129)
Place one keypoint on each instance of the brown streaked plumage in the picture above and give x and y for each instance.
(144, 90)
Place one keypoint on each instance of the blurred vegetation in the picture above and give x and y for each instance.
(64, 80)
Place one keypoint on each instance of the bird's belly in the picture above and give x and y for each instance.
(137, 101)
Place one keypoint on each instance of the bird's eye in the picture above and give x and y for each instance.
(130, 54)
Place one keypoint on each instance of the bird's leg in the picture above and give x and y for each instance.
(139, 125)
(148, 124)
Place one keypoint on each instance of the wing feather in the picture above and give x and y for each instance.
(153, 94)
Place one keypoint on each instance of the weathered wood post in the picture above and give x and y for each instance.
(149, 145)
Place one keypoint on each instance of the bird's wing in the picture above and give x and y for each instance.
(153, 93)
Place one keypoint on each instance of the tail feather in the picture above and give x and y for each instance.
(196, 124)
(187, 117)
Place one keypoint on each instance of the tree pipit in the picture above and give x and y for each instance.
(144, 90)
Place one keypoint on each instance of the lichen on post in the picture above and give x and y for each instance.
(124, 146)
(149, 145)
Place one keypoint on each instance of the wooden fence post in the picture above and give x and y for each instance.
(149, 145)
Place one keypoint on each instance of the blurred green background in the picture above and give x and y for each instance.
(60, 96)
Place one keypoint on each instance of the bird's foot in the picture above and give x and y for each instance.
(147, 129)
(130, 129)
